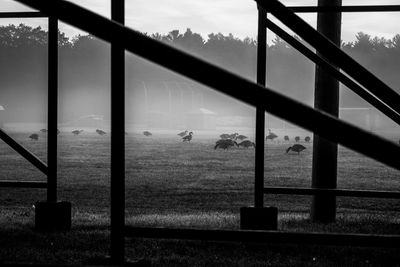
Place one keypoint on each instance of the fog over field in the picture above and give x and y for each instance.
(159, 100)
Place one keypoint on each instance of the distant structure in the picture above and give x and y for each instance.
(225, 144)
(241, 137)
(246, 144)
(182, 134)
(296, 148)
(307, 139)
(147, 133)
(297, 139)
(188, 137)
(286, 138)
(34, 136)
(271, 135)
(101, 132)
(43, 130)
(76, 132)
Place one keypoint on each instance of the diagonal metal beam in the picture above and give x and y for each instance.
(226, 82)
(29, 156)
(334, 72)
(313, 9)
(330, 51)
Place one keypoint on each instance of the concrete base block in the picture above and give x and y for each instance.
(252, 218)
(52, 216)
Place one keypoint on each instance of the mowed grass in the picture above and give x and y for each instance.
(175, 184)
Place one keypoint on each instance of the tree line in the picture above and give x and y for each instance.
(84, 64)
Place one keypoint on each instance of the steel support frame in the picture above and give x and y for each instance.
(260, 112)
(117, 246)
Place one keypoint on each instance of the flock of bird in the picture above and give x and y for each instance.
(35, 136)
(225, 142)
(230, 140)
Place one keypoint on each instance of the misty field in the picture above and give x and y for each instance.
(171, 183)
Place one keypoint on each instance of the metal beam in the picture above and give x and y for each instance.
(331, 192)
(52, 109)
(260, 113)
(23, 184)
(281, 237)
(226, 82)
(29, 156)
(117, 247)
(374, 8)
(326, 98)
(331, 52)
(345, 80)
(9, 15)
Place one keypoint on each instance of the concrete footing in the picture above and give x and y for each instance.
(52, 216)
(265, 218)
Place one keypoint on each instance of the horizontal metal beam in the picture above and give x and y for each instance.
(334, 54)
(374, 8)
(362, 92)
(23, 184)
(223, 81)
(332, 192)
(9, 15)
(29, 156)
(362, 240)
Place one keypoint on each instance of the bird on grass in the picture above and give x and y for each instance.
(233, 136)
(241, 137)
(246, 144)
(296, 148)
(271, 135)
(187, 137)
(307, 139)
(100, 132)
(286, 138)
(225, 144)
(297, 138)
(76, 132)
(147, 133)
(34, 136)
(225, 136)
(182, 134)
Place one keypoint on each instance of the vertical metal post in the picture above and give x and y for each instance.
(117, 248)
(324, 172)
(260, 113)
(52, 110)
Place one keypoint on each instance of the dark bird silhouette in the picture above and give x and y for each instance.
(286, 138)
(34, 136)
(297, 138)
(233, 136)
(225, 136)
(225, 144)
(147, 133)
(307, 139)
(241, 137)
(187, 137)
(76, 132)
(271, 135)
(247, 144)
(100, 132)
(296, 148)
(43, 130)
(182, 134)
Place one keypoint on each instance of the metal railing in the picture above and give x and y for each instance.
(374, 92)
(49, 169)
(223, 81)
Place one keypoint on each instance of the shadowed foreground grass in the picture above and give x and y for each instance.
(89, 238)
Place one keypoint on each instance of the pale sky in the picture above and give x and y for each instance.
(238, 17)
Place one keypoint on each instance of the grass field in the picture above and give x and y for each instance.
(170, 183)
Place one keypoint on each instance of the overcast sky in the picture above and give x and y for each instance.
(211, 16)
